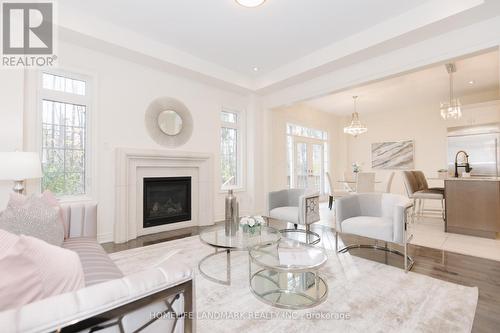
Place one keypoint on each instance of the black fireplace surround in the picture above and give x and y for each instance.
(166, 200)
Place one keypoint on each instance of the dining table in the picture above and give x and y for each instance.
(354, 182)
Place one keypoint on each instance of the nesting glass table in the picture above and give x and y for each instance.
(285, 274)
(241, 241)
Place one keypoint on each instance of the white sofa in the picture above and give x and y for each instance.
(110, 301)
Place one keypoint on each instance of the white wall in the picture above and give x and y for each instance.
(308, 117)
(420, 122)
(11, 119)
(122, 92)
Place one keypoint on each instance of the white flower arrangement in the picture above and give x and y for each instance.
(356, 167)
(259, 220)
(250, 223)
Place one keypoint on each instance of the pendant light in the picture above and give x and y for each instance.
(451, 109)
(355, 128)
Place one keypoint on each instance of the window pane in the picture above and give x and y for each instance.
(292, 129)
(53, 161)
(301, 171)
(53, 182)
(63, 147)
(229, 155)
(74, 138)
(74, 184)
(48, 136)
(52, 136)
(48, 112)
(289, 164)
(64, 84)
(326, 165)
(317, 168)
(229, 117)
(48, 81)
(75, 161)
(64, 183)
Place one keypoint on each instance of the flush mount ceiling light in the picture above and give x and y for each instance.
(451, 109)
(355, 128)
(250, 3)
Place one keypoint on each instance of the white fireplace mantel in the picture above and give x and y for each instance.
(133, 165)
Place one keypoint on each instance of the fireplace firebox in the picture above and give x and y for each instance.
(166, 200)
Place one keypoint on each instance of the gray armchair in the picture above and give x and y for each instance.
(380, 216)
(296, 206)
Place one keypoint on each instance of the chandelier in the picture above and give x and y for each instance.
(355, 128)
(451, 109)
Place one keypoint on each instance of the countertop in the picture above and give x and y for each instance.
(482, 179)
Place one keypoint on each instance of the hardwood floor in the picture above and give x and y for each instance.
(443, 265)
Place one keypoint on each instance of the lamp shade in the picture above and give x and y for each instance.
(20, 166)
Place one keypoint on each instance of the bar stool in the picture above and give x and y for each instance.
(418, 190)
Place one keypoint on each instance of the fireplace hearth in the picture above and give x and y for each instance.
(166, 200)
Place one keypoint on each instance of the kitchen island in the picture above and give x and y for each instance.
(473, 206)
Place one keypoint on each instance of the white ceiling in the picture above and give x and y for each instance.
(430, 84)
(283, 38)
(238, 38)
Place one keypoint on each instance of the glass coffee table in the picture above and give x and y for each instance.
(286, 274)
(242, 241)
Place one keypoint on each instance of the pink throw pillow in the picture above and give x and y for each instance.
(17, 200)
(51, 199)
(33, 270)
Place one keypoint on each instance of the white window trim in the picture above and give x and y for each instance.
(240, 126)
(86, 100)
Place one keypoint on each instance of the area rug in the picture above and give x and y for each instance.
(364, 296)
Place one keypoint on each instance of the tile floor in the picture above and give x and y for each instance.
(429, 232)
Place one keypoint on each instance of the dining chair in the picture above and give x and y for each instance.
(388, 183)
(365, 182)
(334, 193)
(350, 177)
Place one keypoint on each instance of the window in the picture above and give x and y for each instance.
(307, 157)
(64, 104)
(297, 130)
(231, 149)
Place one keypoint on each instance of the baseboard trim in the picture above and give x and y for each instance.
(105, 238)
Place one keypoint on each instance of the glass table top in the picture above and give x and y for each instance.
(216, 236)
(289, 255)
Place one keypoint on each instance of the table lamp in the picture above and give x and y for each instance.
(19, 166)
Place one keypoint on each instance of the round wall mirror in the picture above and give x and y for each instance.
(170, 122)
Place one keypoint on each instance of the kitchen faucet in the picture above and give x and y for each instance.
(465, 165)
